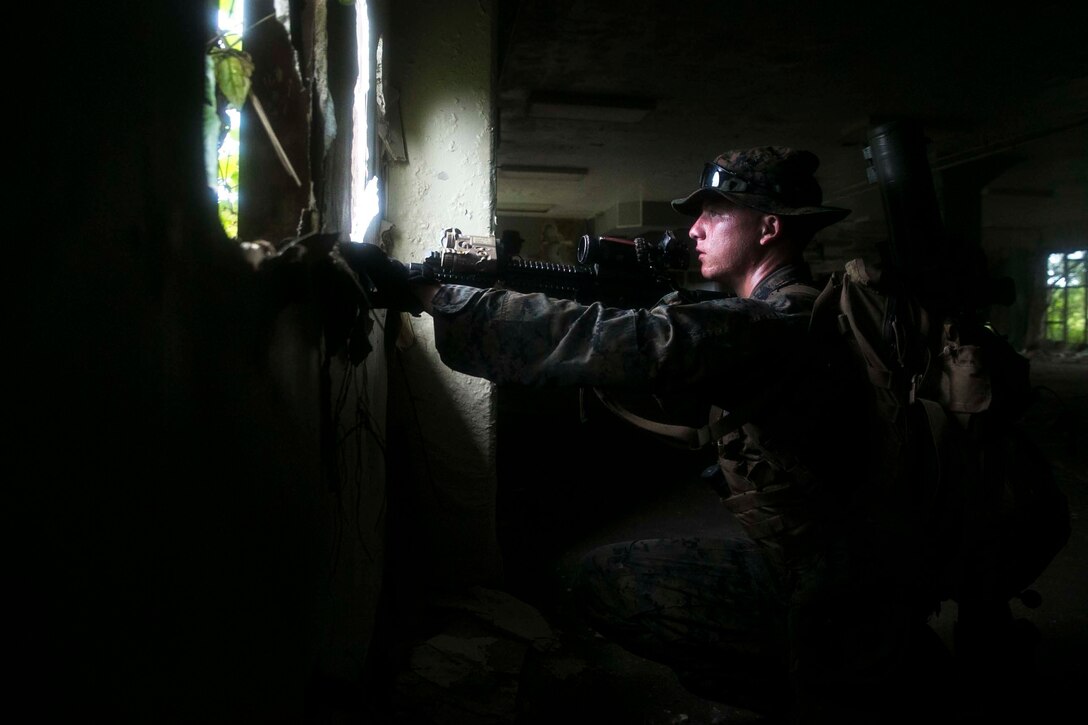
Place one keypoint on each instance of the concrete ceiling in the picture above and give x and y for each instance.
(1009, 83)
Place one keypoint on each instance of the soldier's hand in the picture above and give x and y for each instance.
(384, 281)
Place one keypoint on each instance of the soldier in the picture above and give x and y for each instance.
(801, 615)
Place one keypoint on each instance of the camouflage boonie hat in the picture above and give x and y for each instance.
(774, 179)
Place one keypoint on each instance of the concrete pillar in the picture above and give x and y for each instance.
(438, 66)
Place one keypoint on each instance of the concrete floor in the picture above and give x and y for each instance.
(490, 656)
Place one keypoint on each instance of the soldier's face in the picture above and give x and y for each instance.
(726, 237)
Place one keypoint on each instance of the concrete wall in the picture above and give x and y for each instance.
(183, 553)
(439, 56)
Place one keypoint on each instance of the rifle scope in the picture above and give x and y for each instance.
(667, 253)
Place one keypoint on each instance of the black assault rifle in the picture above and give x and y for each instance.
(612, 270)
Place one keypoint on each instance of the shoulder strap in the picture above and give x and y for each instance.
(937, 424)
(681, 435)
(722, 421)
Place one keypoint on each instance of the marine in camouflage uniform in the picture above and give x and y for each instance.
(799, 612)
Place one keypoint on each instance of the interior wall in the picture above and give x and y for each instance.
(439, 62)
(547, 238)
(179, 544)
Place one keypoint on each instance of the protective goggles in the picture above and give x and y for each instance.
(722, 179)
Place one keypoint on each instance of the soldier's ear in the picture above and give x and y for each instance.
(770, 228)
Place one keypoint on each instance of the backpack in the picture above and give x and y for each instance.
(950, 467)
(950, 476)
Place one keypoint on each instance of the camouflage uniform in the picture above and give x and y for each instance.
(725, 352)
(727, 612)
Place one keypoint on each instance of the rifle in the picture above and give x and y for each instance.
(612, 270)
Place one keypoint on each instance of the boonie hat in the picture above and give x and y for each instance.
(774, 179)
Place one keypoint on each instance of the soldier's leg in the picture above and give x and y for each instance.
(710, 609)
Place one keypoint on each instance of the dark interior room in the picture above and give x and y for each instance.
(243, 494)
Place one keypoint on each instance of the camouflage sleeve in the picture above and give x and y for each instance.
(532, 339)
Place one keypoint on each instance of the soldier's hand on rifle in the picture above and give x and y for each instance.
(384, 281)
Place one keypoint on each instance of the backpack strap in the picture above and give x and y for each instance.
(938, 427)
(884, 329)
(721, 423)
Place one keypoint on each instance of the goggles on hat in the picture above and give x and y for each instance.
(718, 177)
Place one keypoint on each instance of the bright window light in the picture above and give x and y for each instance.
(365, 193)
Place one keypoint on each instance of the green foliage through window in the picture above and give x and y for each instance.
(228, 72)
(1067, 298)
